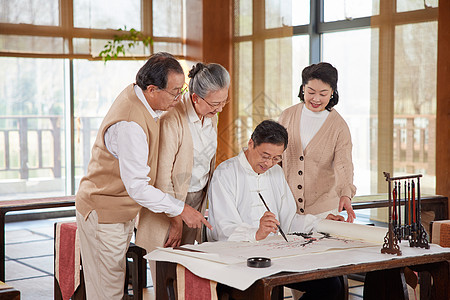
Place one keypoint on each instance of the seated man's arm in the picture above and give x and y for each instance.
(267, 225)
(223, 214)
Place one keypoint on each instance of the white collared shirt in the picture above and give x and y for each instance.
(204, 138)
(128, 143)
(235, 207)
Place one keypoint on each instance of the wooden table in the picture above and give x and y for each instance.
(384, 280)
(26, 204)
(8, 292)
(436, 204)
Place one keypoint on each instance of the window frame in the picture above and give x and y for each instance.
(388, 17)
(68, 32)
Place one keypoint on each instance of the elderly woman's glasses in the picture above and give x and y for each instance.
(217, 105)
(183, 91)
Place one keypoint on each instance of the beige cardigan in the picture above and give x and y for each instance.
(323, 172)
(176, 157)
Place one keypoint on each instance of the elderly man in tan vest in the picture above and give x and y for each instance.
(121, 174)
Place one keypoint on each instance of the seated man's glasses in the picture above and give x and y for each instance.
(274, 159)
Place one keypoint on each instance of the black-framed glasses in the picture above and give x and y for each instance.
(183, 91)
(214, 106)
(275, 159)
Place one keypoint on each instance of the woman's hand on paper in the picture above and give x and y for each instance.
(175, 232)
(346, 202)
(267, 224)
(335, 217)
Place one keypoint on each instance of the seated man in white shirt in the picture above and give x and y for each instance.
(237, 213)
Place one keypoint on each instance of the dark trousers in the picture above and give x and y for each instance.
(327, 289)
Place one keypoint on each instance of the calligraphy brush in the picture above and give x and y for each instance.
(279, 228)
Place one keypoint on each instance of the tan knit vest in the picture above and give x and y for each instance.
(102, 189)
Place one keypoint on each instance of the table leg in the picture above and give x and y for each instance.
(166, 278)
(278, 292)
(2, 246)
(435, 284)
(259, 291)
(441, 288)
(425, 285)
(256, 291)
(385, 284)
(166, 275)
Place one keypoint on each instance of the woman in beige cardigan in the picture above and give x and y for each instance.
(318, 160)
(187, 148)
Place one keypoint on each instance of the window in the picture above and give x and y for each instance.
(111, 14)
(32, 126)
(415, 102)
(354, 67)
(36, 12)
(92, 101)
(389, 107)
(50, 65)
(409, 5)
(335, 10)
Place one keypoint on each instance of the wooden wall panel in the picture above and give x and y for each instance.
(443, 102)
(209, 36)
(217, 47)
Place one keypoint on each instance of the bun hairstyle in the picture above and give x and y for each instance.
(324, 72)
(207, 78)
(195, 69)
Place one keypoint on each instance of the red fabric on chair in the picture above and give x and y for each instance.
(192, 287)
(67, 258)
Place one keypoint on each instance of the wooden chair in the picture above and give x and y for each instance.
(136, 274)
(8, 292)
(440, 233)
(26, 204)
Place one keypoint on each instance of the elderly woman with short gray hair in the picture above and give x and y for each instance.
(187, 149)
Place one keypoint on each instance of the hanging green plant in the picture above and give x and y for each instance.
(123, 43)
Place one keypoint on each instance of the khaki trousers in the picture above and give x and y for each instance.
(103, 255)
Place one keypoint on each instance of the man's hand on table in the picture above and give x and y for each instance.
(175, 232)
(193, 218)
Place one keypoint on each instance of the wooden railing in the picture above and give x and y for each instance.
(23, 128)
(26, 137)
(414, 144)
